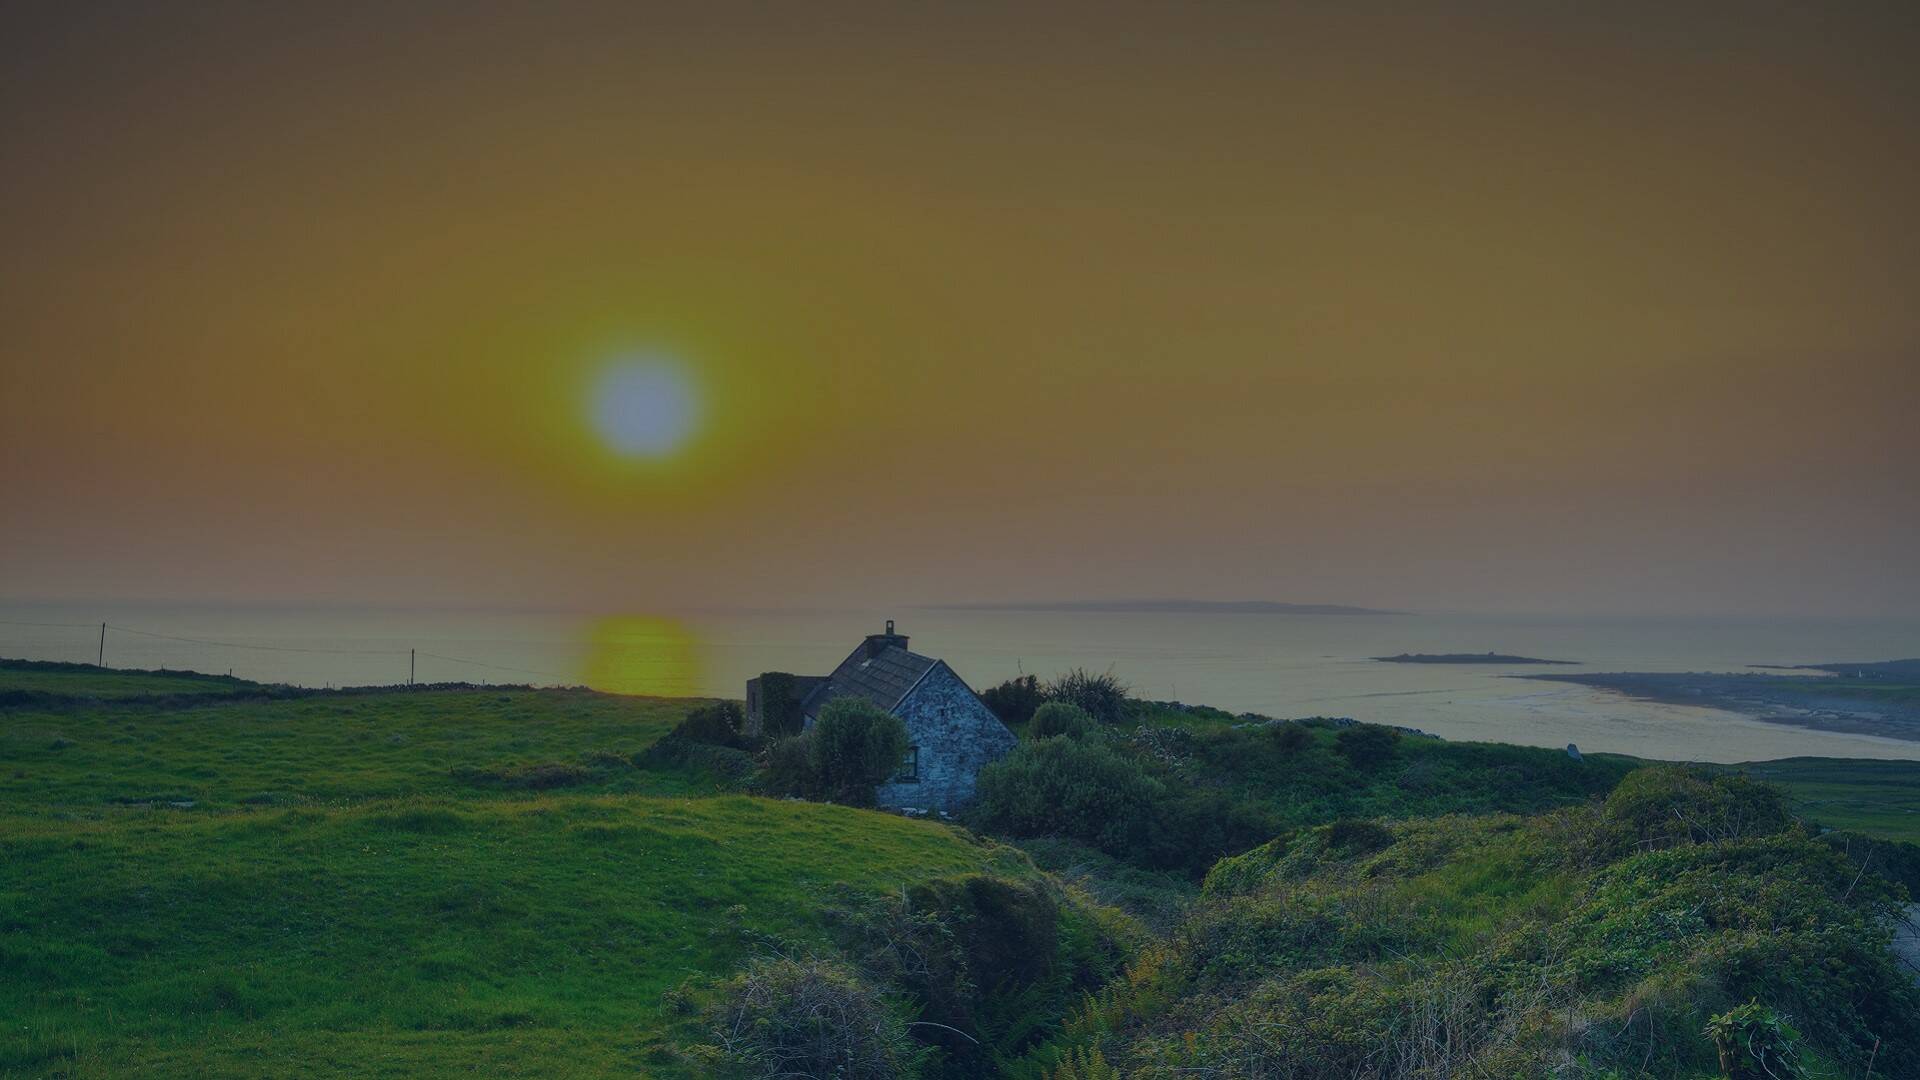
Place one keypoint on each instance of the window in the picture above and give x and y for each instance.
(910, 768)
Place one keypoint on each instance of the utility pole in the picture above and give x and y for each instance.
(101, 661)
(410, 653)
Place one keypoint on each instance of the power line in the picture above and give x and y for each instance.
(496, 667)
(263, 648)
(289, 648)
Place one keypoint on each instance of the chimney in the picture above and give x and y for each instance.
(879, 643)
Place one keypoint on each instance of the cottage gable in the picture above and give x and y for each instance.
(953, 736)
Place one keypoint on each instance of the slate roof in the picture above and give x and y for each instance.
(882, 679)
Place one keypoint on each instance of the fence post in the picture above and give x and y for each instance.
(101, 660)
(410, 653)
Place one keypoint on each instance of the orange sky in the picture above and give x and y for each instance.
(1510, 309)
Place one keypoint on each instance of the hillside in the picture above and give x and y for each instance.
(335, 902)
(203, 876)
(1593, 942)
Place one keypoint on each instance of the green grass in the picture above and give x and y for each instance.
(327, 747)
(1878, 798)
(337, 901)
(33, 677)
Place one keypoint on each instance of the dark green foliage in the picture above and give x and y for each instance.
(784, 1018)
(780, 714)
(1367, 746)
(1756, 1043)
(1015, 700)
(1008, 931)
(989, 963)
(851, 749)
(1895, 860)
(718, 724)
(787, 769)
(1667, 805)
(1460, 946)
(1103, 696)
(707, 742)
(1086, 790)
(1059, 718)
(1288, 738)
(1195, 826)
(726, 768)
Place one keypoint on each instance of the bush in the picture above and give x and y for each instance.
(1102, 696)
(854, 747)
(1662, 806)
(1289, 738)
(719, 724)
(1063, 787)
(1755, 1043)
(787, 769)
(791, 1018)
(1015, 700)
(1059, 718)
(1366, 745)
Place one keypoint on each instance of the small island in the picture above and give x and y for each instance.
(1466, 658)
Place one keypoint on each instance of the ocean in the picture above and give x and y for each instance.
(1274, 664)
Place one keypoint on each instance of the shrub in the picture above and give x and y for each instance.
(1661, 806)
(787, 768)
(1755, 1043)
(1195, 827)
(1059, 718)
(1289, 738)
(1103, 696)
(852, 748)
(726, 767)
(787, 1018)
(1063, 787)
(1015, 700)
(1366, 745)
(719, 724)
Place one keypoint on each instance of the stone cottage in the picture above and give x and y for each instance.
(951, 731)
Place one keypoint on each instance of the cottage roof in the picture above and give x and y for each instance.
(880, 675)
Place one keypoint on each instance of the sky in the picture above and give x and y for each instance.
(1533, 307)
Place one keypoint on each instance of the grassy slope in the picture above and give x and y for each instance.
(393, 921)
(326, 747)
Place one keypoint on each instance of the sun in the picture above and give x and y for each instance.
(645, 405)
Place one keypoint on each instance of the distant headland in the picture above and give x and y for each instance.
(1466, 658)
(1866, 698)
(1180, 607)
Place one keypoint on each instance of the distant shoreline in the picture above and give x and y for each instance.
(1883, 700)
(1162, 607)
(1466, 658)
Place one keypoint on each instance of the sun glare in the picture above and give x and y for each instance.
(645, 405)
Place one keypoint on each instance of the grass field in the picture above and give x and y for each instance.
(1879, 798)
(342, 898)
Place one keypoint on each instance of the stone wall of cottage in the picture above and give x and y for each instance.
(956, 736)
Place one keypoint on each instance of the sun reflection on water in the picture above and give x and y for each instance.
(645, 655)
